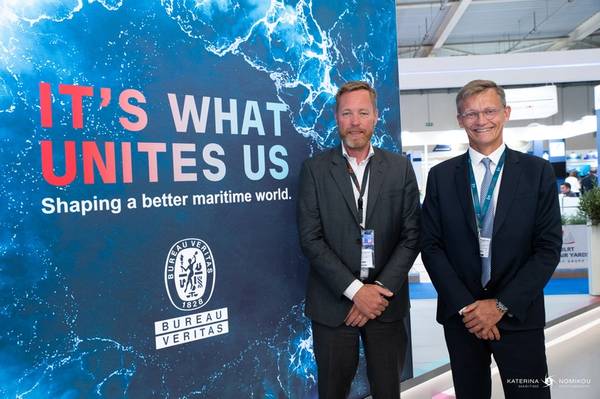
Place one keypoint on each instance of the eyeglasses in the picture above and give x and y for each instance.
(471, 116)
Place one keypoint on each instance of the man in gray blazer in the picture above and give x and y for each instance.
(358, 220)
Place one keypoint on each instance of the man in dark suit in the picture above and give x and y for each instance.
(358, 220)
(491, 241)
(590, 181)
(565, 190)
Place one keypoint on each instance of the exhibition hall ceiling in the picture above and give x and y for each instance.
(429, 28)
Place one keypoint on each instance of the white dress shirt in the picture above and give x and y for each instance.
(359, 171)
(479, 169)
(479, 173)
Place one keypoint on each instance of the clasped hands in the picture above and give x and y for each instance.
(481, 317)
(369, 302)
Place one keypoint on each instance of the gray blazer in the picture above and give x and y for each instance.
(330, 235)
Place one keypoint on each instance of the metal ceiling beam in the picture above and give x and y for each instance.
(582, 31)
(491, 46)
(592, 40)
(504, 69)
(422, 51)
(404, 4)
(542, 44)
(448, 24)
(425, 47)
(435, 39)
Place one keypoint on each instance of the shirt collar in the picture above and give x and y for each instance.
(348, 157)
(476, 156)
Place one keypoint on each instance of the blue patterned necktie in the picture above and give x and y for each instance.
(488, 222)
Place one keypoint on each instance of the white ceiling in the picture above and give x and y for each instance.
(429, 28)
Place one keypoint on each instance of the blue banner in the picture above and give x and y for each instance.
(150, 155)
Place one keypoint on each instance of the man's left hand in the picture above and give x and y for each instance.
(492, 334)
(481, 315)
(355, 318)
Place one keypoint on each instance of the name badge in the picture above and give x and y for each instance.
(367, 254)
(366, 259)
(484, 246)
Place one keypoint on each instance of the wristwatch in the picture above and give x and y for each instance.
(501, 307)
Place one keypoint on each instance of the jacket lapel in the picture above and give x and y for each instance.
(339, 172)
(463, 190)
(508, 186)
(375, 182)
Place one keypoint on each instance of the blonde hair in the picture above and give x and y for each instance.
(353, 86)
(475, 87)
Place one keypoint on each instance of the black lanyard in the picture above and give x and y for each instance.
(360, 187)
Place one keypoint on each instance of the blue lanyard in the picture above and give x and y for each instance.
(480, 211)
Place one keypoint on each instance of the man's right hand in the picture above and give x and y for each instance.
(370, 300)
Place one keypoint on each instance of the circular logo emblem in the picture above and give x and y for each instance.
(189, 274)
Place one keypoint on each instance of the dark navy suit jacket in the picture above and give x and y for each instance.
(526, 241)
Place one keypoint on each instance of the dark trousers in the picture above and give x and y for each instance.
(520, 356)
(336, 351)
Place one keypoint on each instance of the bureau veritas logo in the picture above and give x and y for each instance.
(190, 282)
(190, 274)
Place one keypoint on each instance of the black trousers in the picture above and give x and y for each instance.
(520, 356)
(336, 351)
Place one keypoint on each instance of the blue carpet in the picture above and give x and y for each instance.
(559, 286)
(563, 286)
(422, 291)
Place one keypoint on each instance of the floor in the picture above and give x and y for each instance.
(573, 363)
(573, 350)
(429, 348)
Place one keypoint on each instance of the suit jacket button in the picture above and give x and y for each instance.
(359, 241)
